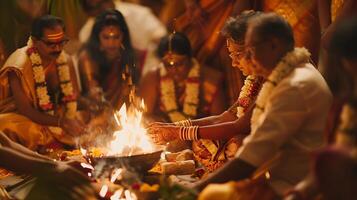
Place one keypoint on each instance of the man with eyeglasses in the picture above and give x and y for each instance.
(222, 134)
(287, 122)
(38, 99)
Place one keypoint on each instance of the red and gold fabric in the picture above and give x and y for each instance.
(302, 16)
(209, 45)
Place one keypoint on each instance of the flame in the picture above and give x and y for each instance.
(132, 138)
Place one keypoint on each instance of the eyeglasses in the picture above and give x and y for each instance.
(54, 44)
(236, 53)
(235, 49)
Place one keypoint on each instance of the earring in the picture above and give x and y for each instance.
(122, 46)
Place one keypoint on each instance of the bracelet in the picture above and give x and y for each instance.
(185, 123)
(189, 133)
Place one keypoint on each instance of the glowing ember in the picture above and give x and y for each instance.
(132, 138)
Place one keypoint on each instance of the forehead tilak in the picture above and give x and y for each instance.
(55, 36)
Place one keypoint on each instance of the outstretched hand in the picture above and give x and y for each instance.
(163, 134)
(159, 124)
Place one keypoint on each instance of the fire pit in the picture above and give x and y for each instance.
(140, 163)
(131, 147)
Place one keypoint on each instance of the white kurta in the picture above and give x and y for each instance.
(290, 128)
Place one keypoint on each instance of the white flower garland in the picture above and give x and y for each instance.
(66, 86)
(168, 94)
(283, 69)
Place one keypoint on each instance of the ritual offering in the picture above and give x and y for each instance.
(186, 154)
(130, 148)
(178, 167)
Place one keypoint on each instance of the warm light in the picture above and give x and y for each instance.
(117, 194)
(132, 138)
(103, 191)
(129, 195)
(83, 151)
(142, 105)
(267, 175)
(87, 166)
(116, 174)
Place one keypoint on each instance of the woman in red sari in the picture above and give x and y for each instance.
(106, 62)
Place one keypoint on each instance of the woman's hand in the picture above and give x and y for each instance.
(159, 124)
(163, 134)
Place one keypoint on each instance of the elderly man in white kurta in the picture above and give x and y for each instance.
(289, 118)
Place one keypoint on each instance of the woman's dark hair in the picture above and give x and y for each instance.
(178, 42)
(46, 21)
(110, 17)
(342, 45)
(236, 27)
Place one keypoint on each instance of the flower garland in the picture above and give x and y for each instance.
(283, 69)
(248, 93)
(168, 94)
(44, 102)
